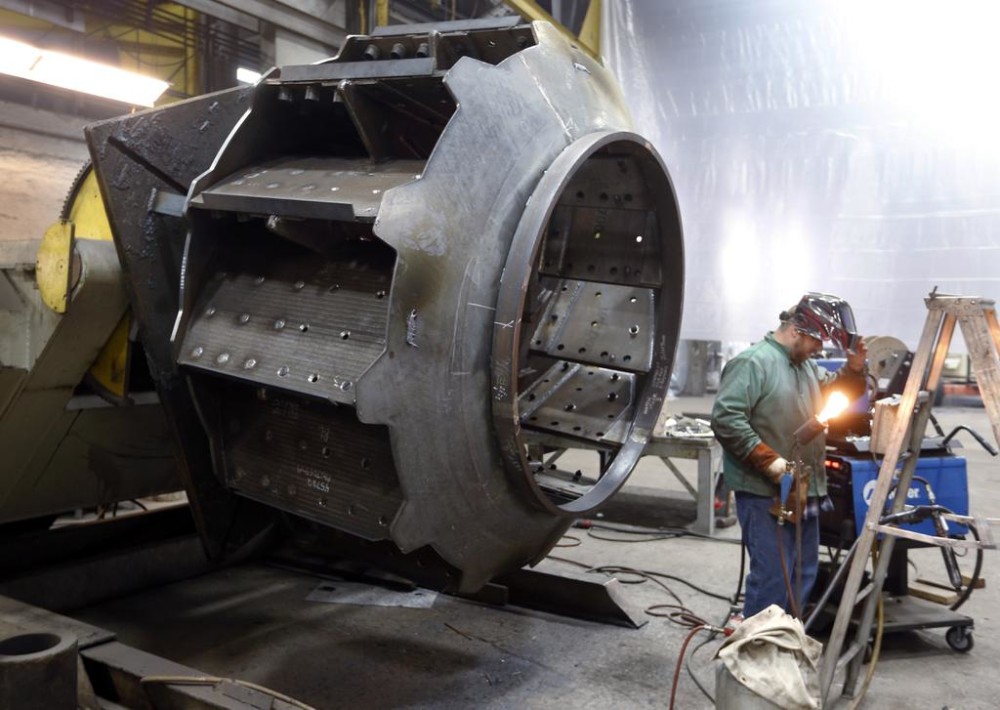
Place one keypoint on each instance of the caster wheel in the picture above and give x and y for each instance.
(960, 639)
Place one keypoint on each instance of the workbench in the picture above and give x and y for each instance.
(708, 453)
(703, 449)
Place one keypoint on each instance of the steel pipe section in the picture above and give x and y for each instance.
(588, 318)
(414, 271)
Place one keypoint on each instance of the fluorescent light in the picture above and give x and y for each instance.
(247, 76)
(69, 72)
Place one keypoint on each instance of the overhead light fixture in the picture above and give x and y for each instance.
(77, 74)
(247, 76)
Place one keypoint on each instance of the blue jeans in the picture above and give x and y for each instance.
(765, 583)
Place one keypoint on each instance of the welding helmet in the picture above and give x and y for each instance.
(824, 317)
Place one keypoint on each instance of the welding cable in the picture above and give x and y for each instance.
(690, 671)
(611, 570)
(676, 613)
(680, 658)
(656, 533)
(743, 564)
(643, 575)
(650, 537)
(974, 579)
(877, 647)
(663, 575)
(828, 592)
(215, 680)
(570, 541)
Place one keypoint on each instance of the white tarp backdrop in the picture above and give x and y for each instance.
(849, 146)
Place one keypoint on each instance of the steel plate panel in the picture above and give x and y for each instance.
(313, 459)
(599, 323)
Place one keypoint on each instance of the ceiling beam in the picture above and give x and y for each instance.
(306, 18)
(47, 10)
(215, 9)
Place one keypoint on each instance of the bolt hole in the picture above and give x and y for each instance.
(326, 452)
(345, 334)
(560, 346)
(313, 377)
(579, 194)
(627, 358)
(612, 397)
(304, 327)
(365, 464)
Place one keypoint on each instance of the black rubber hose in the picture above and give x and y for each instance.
(975, 572)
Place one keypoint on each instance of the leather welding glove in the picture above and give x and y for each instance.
(768, 461)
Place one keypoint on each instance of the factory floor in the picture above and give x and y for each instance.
(254, 622)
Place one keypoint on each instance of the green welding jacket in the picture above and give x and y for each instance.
(764, 396)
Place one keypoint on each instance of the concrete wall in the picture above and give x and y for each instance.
(40, 154)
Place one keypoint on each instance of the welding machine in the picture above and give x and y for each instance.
(851, 480)
(940, 477)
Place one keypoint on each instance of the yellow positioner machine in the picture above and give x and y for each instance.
(78, 428)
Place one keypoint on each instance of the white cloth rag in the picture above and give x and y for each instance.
(771, 655)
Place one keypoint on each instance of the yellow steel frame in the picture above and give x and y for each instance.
(589, 39)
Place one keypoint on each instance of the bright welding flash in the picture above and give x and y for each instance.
(835, 405)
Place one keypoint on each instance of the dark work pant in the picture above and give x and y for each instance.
(765, 584)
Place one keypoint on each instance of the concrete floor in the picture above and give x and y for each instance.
(254, 623)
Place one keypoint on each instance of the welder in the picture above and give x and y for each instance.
(766, 394)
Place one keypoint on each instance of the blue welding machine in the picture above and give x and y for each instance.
(851, 482)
